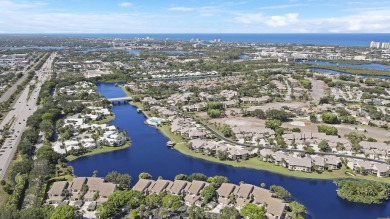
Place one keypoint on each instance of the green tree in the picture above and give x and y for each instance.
(281, 193)
(197, 176)
(123, 180)
(298, 210)
(324, 146)
(209, 194)
(227, 131)
(273, 124)
(253, 211)
(181, 177)
(64, 212)
(330, 118)
(216, 181)
(171, 202)
(280, 115)
(229, 213)
(194, 212)
(214, 113)
(328, 130)
(144, 175)
(134, 198)
(215, 105)
(153, 201)
(47, 116)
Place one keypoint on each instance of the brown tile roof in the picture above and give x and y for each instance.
(160, 185)
(58, 188)
(177, 187)
(244, 190)
(94, 183)
(196, 187)
(77, 183)
(226, 189)
(191, 198)
(142, 185)
(106, 189)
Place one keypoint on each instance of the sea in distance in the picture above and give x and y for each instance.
(345, 39)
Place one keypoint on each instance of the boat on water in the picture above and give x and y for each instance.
(170, 143)
(116, 84)
(139, 110)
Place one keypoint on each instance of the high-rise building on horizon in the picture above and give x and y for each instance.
(385, 45)
(374, 44)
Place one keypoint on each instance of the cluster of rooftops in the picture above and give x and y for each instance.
(81, 188)
(191, 191)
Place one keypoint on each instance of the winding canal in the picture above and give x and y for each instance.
(150, 154)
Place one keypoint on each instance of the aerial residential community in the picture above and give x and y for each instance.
(197, 110)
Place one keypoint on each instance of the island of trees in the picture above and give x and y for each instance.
(363, 191)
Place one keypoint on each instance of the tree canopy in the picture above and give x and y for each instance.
(367, 192)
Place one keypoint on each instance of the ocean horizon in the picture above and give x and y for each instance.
(337, 39)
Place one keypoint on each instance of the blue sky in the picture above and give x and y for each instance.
(194, 16)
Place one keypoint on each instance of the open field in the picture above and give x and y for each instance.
(318, 89)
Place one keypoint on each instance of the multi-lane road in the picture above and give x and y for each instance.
(24, 107)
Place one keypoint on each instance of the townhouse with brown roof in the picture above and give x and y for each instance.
(244, 194)
(193, 192)
(299, 164)
(178, 187)
(159, 186)
(225, 191)
(56, 192)
(143, 184)
(96, 189)
(75, 187)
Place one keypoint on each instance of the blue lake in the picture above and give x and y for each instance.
(375, 66)
(149, 153)
(333, 72)
(134, 52)
(96, 49)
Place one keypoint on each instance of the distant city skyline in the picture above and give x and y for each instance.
(194, 16)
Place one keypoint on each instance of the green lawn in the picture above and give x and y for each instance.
(99, 150)
(103, 121)
(255, 163)
(62, 178)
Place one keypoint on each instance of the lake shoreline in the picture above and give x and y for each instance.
(252, 163)
(99, 150)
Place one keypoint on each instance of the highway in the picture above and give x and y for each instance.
(12, 89)
(23, 108)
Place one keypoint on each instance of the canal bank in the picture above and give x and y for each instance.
(149, 153)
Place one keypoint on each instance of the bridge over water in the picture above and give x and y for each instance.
(120, 100)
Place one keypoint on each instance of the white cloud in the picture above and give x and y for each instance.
(205, 11)
(282, 6)
(271, 21)
(11, 5)
(181, 9)
(125, 4)
(370, 21)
